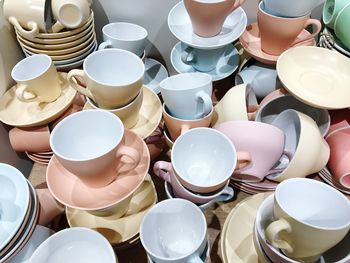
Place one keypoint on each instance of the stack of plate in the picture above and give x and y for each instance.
(40, 158)
(68, 49)
(255, 188)
(326, 176)
(329, 40)
(19, 211)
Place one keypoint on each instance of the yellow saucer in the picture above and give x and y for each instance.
(150, 114)
(27, 114)
(118, 230)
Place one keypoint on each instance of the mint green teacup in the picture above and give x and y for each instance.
(341, 26)
(331, 10)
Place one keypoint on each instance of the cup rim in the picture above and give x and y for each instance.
(338, 17)
(208, 79)
(142, 29)
(281, 17)
(165, 111)
(312, 181)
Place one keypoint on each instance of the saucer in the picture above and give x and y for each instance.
(326, 176)
(150, 114)
(43, 161)
(226, 65)
(317, 76)
(180, 25)
(72, 192)
(155, 72)
(237, 242)
(250, 41)
(118, 230)
(27, 114)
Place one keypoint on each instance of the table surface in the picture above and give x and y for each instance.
(215, 215)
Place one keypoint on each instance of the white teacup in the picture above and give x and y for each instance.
(188, 95)
(174, 231)
(125, 36)
(37, 79)
(310, 218)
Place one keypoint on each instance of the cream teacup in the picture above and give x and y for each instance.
(37, 79)
(310, 218)
(114, 77)
(89, 144)
(125, 36)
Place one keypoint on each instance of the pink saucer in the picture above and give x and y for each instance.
(250, 40)
(70, 191)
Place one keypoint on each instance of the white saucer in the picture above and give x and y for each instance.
(180, 25)
(155, 72)
(227, 64)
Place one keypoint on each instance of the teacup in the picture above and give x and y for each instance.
(170, 236)
(305, 142)
(204, 160)
(70, 13)
(274, 94)
(165, 171)
(188, 95)
(284, 9)
(49, 207)
(339, 119)
(341, 26)
(31, 139)
(114, 77)
(202, 59)
(176, 126)
(89, 144)
(125, 36)
(339, 142)
(129, 114)
(265, 144)
(308, 223)
(280, 33)
(269, 111)
(262, 79)
(208, 16)
(239, 103)
(331, 10)
(37, 79)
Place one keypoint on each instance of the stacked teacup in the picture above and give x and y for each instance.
(206, 30)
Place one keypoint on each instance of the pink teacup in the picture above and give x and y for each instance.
(339, 119)
(49, 207)
(264, 142)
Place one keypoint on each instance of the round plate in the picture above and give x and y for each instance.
(180, 25)
(118, 230)
(317, 76)
(326, 176)
(28, 114)
(226, 65)
(155, 72)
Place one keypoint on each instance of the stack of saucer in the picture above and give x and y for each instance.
(68, 49)
(329, 40)
(206, 48)
(19, 211)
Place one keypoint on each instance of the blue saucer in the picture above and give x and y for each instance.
(226, 65)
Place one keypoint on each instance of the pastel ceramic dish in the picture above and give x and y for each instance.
(37, 160)
(326, 176)
(331, 10)
(301, 71)
(118, 229)
(340, 26)
(237, 244)
(180, 25)
(226, 65)
(14, 202)
(150, 114)
(339, 119)
(251, 42)
(255, 188)
(49, 207)
(28, 114)
(275, 94)
(155, 72)
(268, 112)
(284, 9)
(83, 244)
(92, 199)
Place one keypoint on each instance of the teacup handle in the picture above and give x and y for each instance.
(132, 154)
(243, 159)
(79, 73)
(187, 56)
(286, 153)
(207, 103)
(162, 169)
(57, 27)
(272, 234)
(184, 128)
(309, 22)
(104, 45)
(21, 88)
(252, 110)
(237, 4)
(34, 29)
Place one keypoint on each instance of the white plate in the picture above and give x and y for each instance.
(226, 65)
(180, 25)
(14, 202)
(155, 72)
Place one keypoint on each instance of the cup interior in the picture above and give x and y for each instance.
(186, 81)
(173, 229)
(86, 135)
(323, 207)
(125, 31)
(114, 67)
(328, 11)
(31, 67)
(203, 157)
